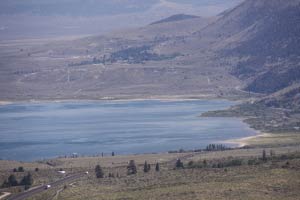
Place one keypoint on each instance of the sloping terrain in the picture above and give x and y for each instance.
(252, 46)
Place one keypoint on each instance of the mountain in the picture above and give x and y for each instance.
(261, 37)
(252, 47)
(271, 43)
(174, 18)
(260, 40)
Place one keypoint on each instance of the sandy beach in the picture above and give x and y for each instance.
(5, 103)
(248, 140)
(268, 139)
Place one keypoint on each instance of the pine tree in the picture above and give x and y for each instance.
(179, 164)
(12, 181)
(157, 167)
(146, 167)
(20, 169)
(204, 163)
(264, 155)
(5, 184)
(99, 172)
(131, 168)
(27, 180)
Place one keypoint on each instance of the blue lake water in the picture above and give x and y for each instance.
(33, 131)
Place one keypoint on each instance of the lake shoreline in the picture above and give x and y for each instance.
(126, 98)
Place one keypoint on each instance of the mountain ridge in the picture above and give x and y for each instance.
(173, 18)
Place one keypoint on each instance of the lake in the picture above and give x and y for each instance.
(33, 131)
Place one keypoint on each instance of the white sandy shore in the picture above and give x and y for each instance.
(246, 140)
(125, 98)
(4, 103)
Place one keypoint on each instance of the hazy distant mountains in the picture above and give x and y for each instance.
(53, 18)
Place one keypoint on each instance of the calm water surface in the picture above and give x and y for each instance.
(32, 131)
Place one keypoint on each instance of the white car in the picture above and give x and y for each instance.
(86, 172)
(47, 187)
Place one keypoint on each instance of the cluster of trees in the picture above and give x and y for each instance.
(216, 147)
(210, 147)
(147, 167)
(12, 181)
(139, 55)
(131, 169)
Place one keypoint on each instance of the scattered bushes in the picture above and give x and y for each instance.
(253, 161)
(215, 164)
(111, 175)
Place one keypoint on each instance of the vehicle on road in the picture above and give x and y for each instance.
(47, 187)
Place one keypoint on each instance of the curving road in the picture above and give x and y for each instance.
(27, 194)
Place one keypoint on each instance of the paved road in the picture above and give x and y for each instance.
(27, 194)
(5, 194)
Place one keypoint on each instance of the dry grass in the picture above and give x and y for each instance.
(266, 181)
(86, 162)
(283, 139)
(10, 165)
(243, 153)
(271, 180)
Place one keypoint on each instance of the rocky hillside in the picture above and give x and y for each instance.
(270, 44)
(259, 39)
